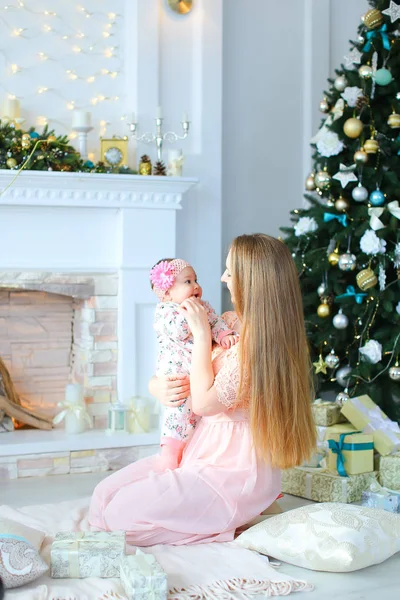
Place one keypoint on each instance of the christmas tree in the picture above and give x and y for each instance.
(346, 243)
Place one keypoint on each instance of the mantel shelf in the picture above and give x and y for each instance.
(92, 190)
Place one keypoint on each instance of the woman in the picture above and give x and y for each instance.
(256, 414)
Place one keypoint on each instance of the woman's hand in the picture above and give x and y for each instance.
(196, 316)
(170, 390)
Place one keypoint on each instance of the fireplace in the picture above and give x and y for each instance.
(80, 246)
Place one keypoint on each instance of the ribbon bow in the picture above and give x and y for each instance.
(370, 35)
(375, 223)
(338, 447)
(350, 291)
(330, 217)
(77, 409)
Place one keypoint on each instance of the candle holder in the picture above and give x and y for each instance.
(159, 137)
(82, 132)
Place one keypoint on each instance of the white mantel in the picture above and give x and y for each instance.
(96, 223)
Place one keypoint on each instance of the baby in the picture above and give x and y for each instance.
(174, 281)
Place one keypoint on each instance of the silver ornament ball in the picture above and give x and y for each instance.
(394, 373)
(360, 193)
(321, 289)
(342, 398)
(340, 321)
(342, 376)
(332, 360)
(347, 262)
(340, 83)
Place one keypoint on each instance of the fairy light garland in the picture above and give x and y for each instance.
(105, 29)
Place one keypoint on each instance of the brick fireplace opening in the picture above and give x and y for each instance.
(57, 328)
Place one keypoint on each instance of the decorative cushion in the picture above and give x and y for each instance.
(327, 537)
(20, 562)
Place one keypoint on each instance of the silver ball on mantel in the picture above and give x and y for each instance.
(347, 262)
(398, 96)
(340, 83)
(342, 398)
(340, 321)
(332, 360)
(321, 289)
(360, 193)
(343, 376)
(394, 373)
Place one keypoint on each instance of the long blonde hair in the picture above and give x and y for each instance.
(275, 363)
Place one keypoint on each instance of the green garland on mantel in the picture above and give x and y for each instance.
(46, 152)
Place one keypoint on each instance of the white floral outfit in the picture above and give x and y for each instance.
(175, 344)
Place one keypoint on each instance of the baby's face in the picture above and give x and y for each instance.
(185, 287)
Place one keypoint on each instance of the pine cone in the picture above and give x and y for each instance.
(145, 158)
(159, 168)
(361, 101)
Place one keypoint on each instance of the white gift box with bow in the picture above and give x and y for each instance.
(142, 577)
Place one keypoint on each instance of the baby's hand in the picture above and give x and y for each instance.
(229, 340)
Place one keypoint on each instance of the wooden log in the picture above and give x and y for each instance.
(24, 415)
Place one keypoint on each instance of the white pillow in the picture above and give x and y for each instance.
(327, 537)
(20, 561)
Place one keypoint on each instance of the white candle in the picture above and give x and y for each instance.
(73, 393)
(185, 118)
(11, 108)
(81, 118)
(159, 113)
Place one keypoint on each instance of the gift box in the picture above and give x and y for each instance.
(378, 497)
(327, 413)
(139, 412)
(350, 453)
(389, 471)
(142, 577)
(79, 554)
(322, 486)
(364, 414)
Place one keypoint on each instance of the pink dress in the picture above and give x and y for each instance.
(219, 486)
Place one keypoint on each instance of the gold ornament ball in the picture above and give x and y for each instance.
(340, 83)
(365, 72)
(25, 144)
(145, 168)
(366, 279)
(11, 163)
(394, 121)
(323, 311)
(361, 157)
(353, 128)
(51, 139)
(25, 137)
(342, 204)
(371, 146)
(322, 180)
(324, 105)
(373, 18)
(310, 183)
(333, 258)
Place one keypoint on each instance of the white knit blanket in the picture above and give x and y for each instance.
(218, 571)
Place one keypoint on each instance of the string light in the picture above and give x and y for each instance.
(17, 32)
(91, 79)
(41, 121)
(47, 28)
(43, 56)
(15, 69)
(42, 90)
(76, 49)
(71, 105)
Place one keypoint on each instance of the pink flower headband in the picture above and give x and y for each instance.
(163, 275)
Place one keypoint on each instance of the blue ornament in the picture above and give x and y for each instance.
(377, 198)
(383, 77)
(89, 164)
(34, 135)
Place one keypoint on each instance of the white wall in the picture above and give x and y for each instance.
(277, 58)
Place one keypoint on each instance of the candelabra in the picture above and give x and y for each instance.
(159, 137)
